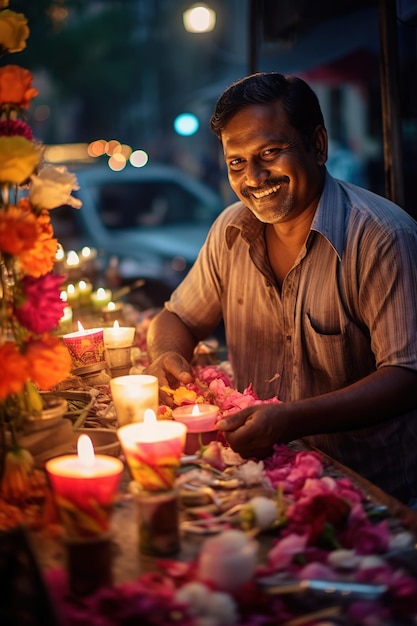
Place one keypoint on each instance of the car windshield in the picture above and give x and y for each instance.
(147, 204)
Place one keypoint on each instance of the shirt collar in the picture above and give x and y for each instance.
(328, 220)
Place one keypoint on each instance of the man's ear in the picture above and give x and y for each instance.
(319, 144)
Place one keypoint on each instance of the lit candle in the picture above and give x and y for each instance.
(153, 450)
(84, 488)
(101, 297)
(65, 322)
(85, 346)
(85, 289)
(72, 260)
(72, 294)
(200, 420)
(118, 336)
(112, 311)
(88, 254)
(132, 395)
(197, 417)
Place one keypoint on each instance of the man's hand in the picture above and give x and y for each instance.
(253, 432)
(171, 369)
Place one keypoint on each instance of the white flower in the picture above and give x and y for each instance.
(251, 473)
(260, 512)
(228, 560)
(52, 187)
(206, 607)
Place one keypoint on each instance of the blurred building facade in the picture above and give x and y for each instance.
(124, 69)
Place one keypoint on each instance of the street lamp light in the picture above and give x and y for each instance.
(199, 18)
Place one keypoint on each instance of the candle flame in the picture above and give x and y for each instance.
(85, 451)
(196, 410)
(80, 326)
(116, 324)
(150, 425)
(111, 306)
(72, 258)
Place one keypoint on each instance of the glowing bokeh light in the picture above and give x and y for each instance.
(117, 162)
(199, 19)
(139, 158)
(186, 124)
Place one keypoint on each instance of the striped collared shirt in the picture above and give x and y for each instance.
(347, 307)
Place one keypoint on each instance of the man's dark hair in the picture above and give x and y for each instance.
(298, 99)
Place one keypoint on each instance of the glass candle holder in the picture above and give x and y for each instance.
(153, 449)
(132, 395)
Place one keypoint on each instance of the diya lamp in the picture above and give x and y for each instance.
(153, 450)
(84, 487)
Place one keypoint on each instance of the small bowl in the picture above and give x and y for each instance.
(104, 440)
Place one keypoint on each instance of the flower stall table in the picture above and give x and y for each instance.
(144, 585)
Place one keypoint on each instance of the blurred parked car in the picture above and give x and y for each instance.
(154, 219)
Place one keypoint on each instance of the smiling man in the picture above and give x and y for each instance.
(316, 282)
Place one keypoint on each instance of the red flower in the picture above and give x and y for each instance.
(43, 307)
(320, 516)
(11, 128)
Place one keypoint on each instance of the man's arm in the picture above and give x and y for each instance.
(386, 393)
(170, 346)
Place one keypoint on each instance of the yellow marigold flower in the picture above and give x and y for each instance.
(49, 361)
(18, 159)
(182, 394)
(40, 259)
(13, 31)
(18, 231)
(13, 370)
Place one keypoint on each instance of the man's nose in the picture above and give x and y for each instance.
(256, 173)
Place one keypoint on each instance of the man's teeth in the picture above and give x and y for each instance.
(266, 192)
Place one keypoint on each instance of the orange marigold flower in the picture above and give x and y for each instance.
(49, 361)
(40, 259)
(13, 370)
(18, 231)
(16, 86)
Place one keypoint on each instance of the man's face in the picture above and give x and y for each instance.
(269, 167)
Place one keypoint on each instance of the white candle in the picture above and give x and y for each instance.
(132, 395)
(118, 336)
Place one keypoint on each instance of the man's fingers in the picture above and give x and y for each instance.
(232, 422)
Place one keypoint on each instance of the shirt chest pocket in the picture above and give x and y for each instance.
(338, 354)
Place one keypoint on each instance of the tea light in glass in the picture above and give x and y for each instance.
(85, 288)
(132, 395)
(101, 297)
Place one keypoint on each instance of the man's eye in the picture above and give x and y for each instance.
(269, 154)
(236, 164)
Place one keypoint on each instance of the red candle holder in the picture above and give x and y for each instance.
(85, 346)
(84, 487)
(84, 495)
